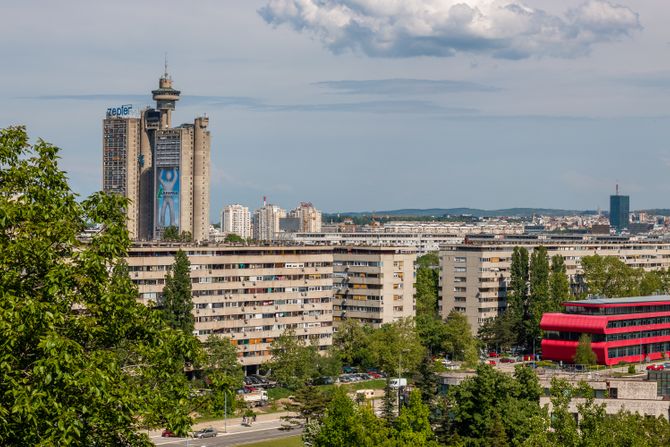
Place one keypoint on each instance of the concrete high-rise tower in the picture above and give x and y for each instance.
(165, 169)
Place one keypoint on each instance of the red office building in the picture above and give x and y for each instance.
(621, 329)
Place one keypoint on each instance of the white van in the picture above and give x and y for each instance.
(396, 383)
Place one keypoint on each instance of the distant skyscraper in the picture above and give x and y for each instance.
(236, 219)
(120, 160)
(308, 216)
(164, 171)
(619, 211)
(266, 222)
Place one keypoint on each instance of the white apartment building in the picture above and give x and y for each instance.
(236, 219)
(266, 222)
(474, 275)
(308, 217)
(248, 294)
(374, 285)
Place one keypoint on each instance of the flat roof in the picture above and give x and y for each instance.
(626, 300)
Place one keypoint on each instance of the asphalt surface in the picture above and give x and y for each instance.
(263, 429)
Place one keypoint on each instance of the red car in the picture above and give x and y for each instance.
(507, 360)
(655, 368)
(167, 433)
(494, 355)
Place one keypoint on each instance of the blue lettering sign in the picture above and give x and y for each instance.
(124, 110)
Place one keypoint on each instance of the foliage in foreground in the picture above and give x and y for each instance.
(82, 363)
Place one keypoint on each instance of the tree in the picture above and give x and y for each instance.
(234, 238)
(389, 402)
(518, 289)
(431, 330)
(609, 276)
(426, 380)
(480, 403)
(395, 347)
(352, 343)
(341, 426)
(459, 341)
(293, 361)
(427, 285)
(499, 333)
(412, 426)
(224, 373)
(177, 302)
(308, 404)
(584, 354)
(171, 234)
(559, 285)
(83, 362)
(539, 300)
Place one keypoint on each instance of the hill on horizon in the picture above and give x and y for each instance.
(476, 212)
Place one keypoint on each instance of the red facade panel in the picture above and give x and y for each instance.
(573, 323)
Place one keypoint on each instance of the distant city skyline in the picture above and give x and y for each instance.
(546, 104)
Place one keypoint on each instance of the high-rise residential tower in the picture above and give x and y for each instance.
(266, 222)
(163, 170)
(309, 218)
(619, 211)
(236, 219)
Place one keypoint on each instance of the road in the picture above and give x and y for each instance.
(266, 427)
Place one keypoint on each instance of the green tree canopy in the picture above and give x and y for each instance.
(584, 354)
(83, 363)
(293, 360)
(234, 238)
(459, 342)
(177, 303)
(352, 343)
(396, 347)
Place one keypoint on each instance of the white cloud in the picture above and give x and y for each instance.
(406, 28)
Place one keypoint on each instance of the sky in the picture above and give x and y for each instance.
(364, 104)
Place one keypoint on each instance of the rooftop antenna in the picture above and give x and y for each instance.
(617, 189)
(166, 65)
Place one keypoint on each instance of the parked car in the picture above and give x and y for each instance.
(167, 433)
(655, 367)
(494, 354)
(507, 360)
(348, 369)
(666, 365)
(209, 432)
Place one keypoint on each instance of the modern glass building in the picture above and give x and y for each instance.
(621, 329)
(619, 212)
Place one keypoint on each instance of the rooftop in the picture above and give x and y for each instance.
(626, 300)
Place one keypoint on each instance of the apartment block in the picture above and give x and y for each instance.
(474, 275)
(266, 222)
(248, 294)
(236, 219)
(374, 285)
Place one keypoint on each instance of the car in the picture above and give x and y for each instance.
(374, 375)
(666, 365)
(492, 362)
(507, 360)
(348, 369)
(655, 367)
(208, 432)
(167, 433)
(494, 354)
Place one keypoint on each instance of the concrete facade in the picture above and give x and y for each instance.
(162, 170)
(266, 222)
(248, 294)
(236, 219)
(374, 285)
(474, 275)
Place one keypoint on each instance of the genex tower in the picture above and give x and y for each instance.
(163, 170)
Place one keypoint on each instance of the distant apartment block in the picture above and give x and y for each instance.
(373, 285)
(421, 242)
(266, 222)
(248, 294)
(236, 219)
(474, 275)
(309, 218)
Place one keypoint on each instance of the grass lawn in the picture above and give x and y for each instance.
(291, 441)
